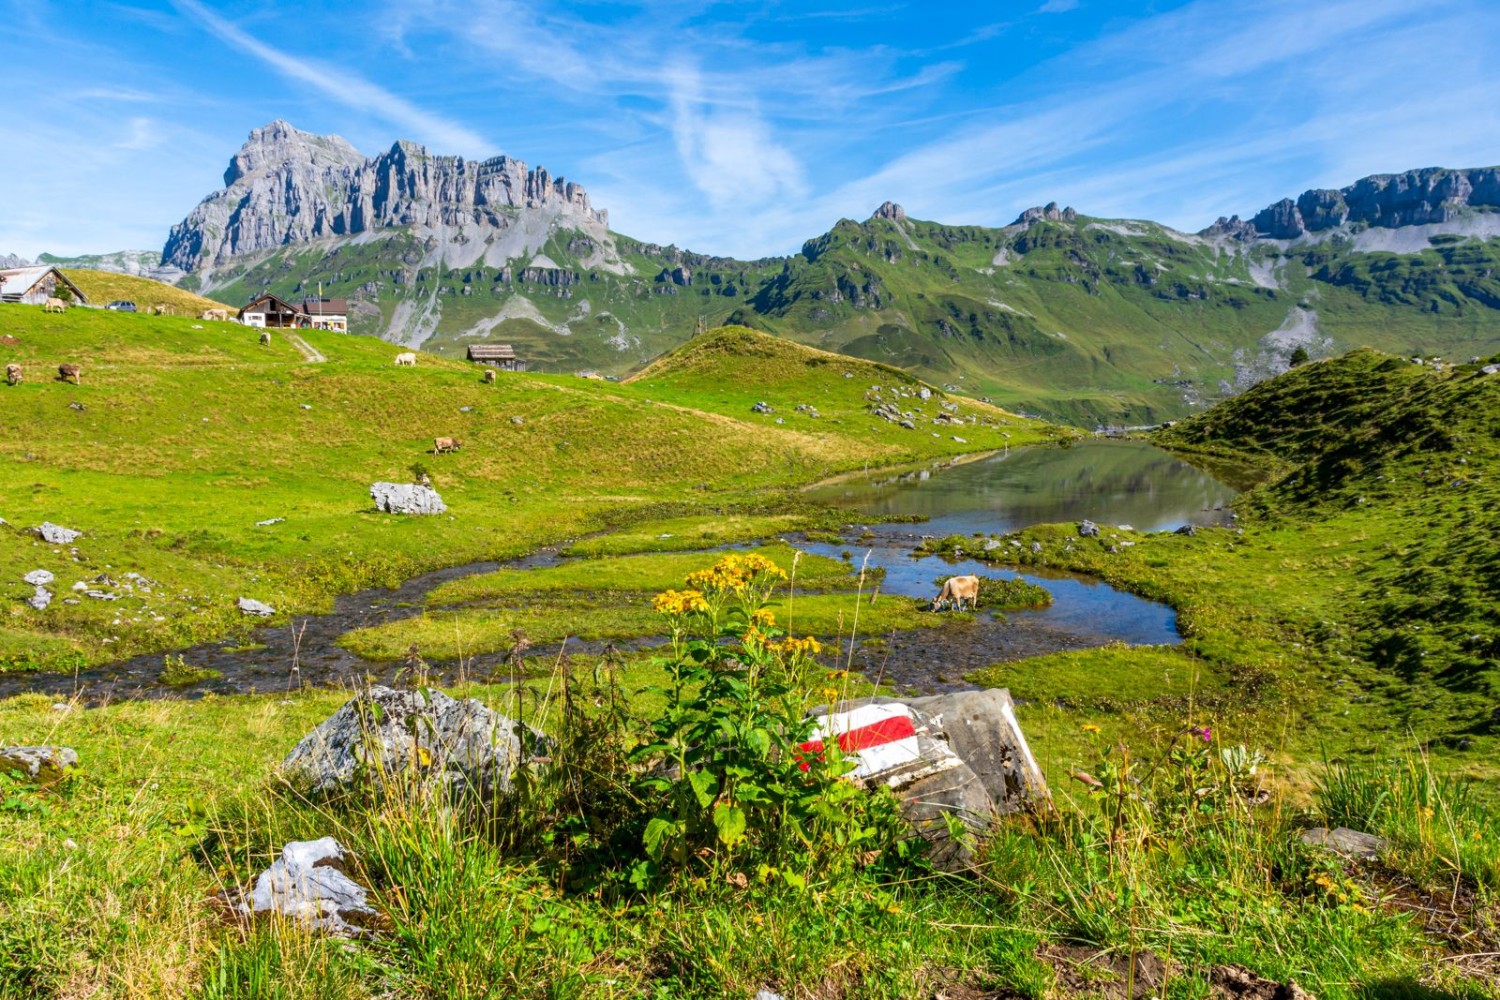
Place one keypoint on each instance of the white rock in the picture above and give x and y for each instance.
(406, 498)
(40, 599)
(269, 521)
(308, 884)
(253, 607)
(55, 534)
(39, 578)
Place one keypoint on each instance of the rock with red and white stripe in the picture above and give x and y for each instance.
(959, 756)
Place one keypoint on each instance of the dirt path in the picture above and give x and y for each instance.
(308, 351)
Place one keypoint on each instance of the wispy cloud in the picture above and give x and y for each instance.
(1057, 6)
(345, 87)
(730, 153)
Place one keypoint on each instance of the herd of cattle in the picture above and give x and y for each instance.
(15, 374)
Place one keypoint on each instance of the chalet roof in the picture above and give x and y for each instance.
(17, 281)
(326, 307)
(266, 302)
(491, 352)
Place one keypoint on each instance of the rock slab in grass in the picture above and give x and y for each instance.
(959, 755)
(253, 607)
(1088, 529)
(39, 578)
(38, 762)
(40, 599)
(1345, 841)
(406, 498)
(399, 736)
(308, 884)
(56, 534)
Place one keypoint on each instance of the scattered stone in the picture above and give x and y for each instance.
(253, 607)
(80, 587)
(1187, 529)
(43, 763)
(518, 421)
(466, 409)
(100, 595)
(780, 421)
(1088, 529)
(1125, 527)
(1490, 369)
(1343, 840)
(959, 755)
(39, 578)
(959, 439)
(406, 498)
(309, 884)
(307, 406)
(762, 407)
(1036, 547)
(461, 744)
(924, 393)
(40, 599)
(992, 544)
(75, 405)
(908, 424)
(55, 534)
(269, 521)
(1235, 982)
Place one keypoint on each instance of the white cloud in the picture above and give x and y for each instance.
(347, 88)
(1057, 6)
(730, 153)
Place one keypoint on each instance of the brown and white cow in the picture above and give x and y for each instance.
(73, 373)
(13, 375)
(441, 445)
(956, 590)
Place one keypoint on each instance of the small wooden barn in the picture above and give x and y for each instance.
(269, 311)
(35, 285)
(501, 356)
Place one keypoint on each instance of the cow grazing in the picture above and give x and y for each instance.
(956, 590)
(441, 445)
(265, 338)
(13, 375)
(54, 305)
(222, 315)
(489, 376)
(406, 358)
(70, 373)
(159, 310)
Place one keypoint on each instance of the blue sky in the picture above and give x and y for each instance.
(747, 128)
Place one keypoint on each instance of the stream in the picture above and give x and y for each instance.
(1110, 482)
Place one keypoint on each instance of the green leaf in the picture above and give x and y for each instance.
(657, 833)
(705, 787)
(759, 740)
(794, 880)
(730, 821)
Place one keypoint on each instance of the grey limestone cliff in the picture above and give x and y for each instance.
(286, 186)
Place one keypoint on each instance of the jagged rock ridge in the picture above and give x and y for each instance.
(286, 186)
(1428, 196)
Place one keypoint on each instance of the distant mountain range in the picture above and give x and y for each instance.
(1060, 314)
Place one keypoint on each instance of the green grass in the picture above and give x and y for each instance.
(184, 438)
(104, 287)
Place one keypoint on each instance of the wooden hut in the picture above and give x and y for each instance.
(35, 285)
(502, 356)
(269, 311)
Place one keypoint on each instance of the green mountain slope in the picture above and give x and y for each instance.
(184, 434)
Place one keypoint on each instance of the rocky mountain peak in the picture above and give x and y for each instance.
(1427, 196)
(1047, 213)
(286, 186)
(890, 210)
(13, 260)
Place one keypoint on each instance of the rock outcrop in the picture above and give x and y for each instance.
(286, 186)
(310, 885)
(406, 498)
(1046, 213)
(13, 260)
(890, 210)
(385, 734)
(1414, 198)
(42, 763)
(959, 756)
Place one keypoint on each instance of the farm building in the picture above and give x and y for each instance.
(35, 285)
(268, 310)
(497, 355)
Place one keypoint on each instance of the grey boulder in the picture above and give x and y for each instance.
(1088, 529)
(40, 599)
(387, 734)
(56, 534)
(959, 756)
(406, 498)
(38, 762)
(39, 578)
(309, 884)
(1343, 840)
(256, 608)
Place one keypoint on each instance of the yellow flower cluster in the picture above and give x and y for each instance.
(798, 647)
(763, 617)
(679, 602)
(735, 572)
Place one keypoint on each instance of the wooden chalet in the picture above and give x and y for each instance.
(502, 356)
(35, 285)
(270, 311)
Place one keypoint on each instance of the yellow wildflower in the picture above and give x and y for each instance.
(1089, 727)
(764, 617)
(679, 602)
(830, 693)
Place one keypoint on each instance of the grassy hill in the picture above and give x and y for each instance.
(1080, 319)
(103, 287)
(184, 434)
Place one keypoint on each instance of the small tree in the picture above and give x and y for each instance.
(1299, 356)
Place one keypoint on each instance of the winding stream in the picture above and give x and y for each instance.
(1108, 482)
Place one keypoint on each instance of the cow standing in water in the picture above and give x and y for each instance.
(956, 590)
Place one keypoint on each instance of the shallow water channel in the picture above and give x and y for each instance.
(1108, 482)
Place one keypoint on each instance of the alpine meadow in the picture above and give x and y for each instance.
(412, 586)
